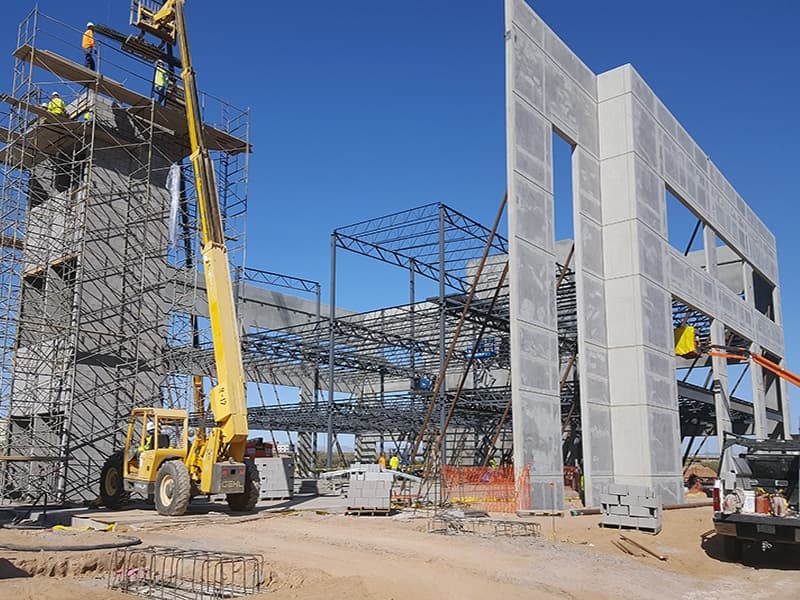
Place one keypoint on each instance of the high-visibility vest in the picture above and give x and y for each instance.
(88, 39)
(160, 79)
(394, 462)
(56, 106)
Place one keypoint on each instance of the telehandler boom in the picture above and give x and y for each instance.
(155, 461)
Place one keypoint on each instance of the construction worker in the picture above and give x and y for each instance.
(394, 462)
(149, 441)
(161, 82)
(88, 46)
(56, 105)
(382, 460)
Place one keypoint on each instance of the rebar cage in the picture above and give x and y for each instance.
(175, 574)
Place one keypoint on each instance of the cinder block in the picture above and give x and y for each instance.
(616, 488)
(619, 510)
(651, 523)
(638, 490)
(641, 511)
(628, 500)
(649, 502)
(610, 520)
(629, 521)
(609, 499)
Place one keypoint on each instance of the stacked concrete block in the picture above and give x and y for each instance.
(370, 488)
(277, 477)
(630, 506)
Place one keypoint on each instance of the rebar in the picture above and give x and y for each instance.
(176, 574)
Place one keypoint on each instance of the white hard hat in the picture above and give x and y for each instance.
(54, 94)
(150, 426)
(89, 24)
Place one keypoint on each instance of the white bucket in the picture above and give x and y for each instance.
(749, 501)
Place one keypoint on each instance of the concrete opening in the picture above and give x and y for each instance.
(684, 228)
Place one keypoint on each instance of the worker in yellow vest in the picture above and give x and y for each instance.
(56, 105)
(394, 462)
(382, 460)
(88, 46)
(161, 82)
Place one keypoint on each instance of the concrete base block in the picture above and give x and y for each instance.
(619, 510)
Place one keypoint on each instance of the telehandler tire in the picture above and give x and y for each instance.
(112, 489)
(246, 501)
(173, 488)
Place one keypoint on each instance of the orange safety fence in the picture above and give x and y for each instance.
(493, 489)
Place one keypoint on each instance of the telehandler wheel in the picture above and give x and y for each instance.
(112, 490)
(247, 501)
(173, 488)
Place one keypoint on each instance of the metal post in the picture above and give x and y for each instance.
(442, 349)
(411, 301)
(331, 340)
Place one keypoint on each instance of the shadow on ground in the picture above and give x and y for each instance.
(783, 557)
(9, 571)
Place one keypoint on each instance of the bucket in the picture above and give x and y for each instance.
(762, 504)
(749, 501)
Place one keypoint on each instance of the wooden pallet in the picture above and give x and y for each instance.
(368, 512)
(648, 530)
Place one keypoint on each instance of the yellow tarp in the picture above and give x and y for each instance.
(685, 341)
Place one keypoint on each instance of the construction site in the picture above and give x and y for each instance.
(549, 402)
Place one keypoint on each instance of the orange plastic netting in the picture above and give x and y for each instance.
(493, 489)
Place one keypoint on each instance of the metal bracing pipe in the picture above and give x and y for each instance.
(331, 341)
(457, 332)
(465, 373)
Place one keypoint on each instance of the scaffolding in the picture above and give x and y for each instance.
(97, 268)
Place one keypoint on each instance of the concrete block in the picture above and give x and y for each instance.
(609, 499)
(610, 520)
(638, 490)
(617, 489)
(641, 511)
(649, 502)
(619, 510)
(651, 523)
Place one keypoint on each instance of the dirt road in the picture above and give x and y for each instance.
(314, 556)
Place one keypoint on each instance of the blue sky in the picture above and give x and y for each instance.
(360, 108)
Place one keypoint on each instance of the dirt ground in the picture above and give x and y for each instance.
(315, 556)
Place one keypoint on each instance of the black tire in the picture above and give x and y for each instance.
(173, 488)
(247, 501)
(732, 547)
(112, 484)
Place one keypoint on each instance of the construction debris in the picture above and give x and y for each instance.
(641, 547)
(447, 525)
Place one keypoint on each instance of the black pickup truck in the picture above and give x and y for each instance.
(767, 468)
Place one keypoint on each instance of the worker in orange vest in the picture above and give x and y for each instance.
(88, 46)
(382, 460)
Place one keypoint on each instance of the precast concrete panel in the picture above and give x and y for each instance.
(628, 149)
